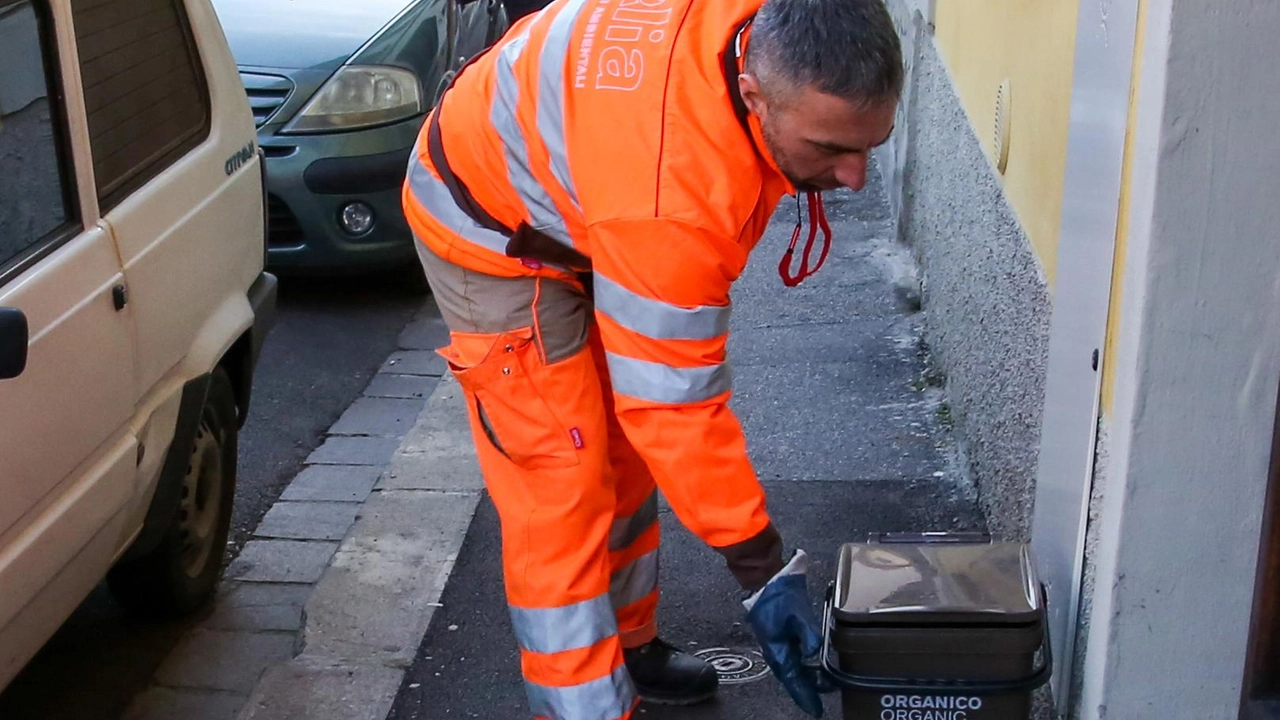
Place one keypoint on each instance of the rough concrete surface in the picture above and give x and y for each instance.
(260, 606)
(988, 304)
(1089, 581)
(161, 703)
(842, 339)
(308, 520)
(912, 21)
(401, 386)
(427, 331)
(339, 450)
(416, 362)
(224, 660)
(378, 417)
(375, 601)
(438, 454)
(303, 689)
(281, 561)
(333, 483)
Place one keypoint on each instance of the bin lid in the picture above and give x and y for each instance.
(929, 583)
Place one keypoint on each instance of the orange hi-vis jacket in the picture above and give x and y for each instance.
(614, 129)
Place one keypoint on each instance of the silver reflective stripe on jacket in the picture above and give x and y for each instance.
(606, 698)
(626, 530)
(552, 70)
(543, 214)
(661, 383)
(569, 627)
(634, 582)
(657, 319)
(432, 194)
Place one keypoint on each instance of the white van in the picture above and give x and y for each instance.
(132, 306)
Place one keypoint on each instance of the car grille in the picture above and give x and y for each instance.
(266, 94)
(283, 230)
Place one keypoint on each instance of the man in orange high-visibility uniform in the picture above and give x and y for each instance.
(584, 196)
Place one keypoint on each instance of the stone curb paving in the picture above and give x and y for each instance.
(325, 606)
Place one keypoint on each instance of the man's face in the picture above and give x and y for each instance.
(819, 141)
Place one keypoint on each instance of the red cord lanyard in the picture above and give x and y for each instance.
(817, 219)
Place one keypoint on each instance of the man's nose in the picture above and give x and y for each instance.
(851, 171)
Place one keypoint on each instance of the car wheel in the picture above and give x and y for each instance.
(180, 574)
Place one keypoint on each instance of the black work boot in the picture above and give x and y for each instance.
(665, 676)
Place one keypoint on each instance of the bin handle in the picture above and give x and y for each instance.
(1038, 677)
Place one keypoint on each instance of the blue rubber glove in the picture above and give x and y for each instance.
(789, 634)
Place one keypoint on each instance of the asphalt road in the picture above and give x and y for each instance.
(330, 338)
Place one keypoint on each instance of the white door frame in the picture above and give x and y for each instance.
(1105, 37)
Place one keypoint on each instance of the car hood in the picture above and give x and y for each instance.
(302, 33)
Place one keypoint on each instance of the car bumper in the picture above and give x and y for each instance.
(262, 298)
(311, 178)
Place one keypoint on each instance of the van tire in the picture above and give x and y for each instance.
(180, 574)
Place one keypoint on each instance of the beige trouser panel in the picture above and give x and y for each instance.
(578, 507)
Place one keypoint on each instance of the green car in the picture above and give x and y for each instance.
(339, 89)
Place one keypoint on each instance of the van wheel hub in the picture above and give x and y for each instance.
(200, 505)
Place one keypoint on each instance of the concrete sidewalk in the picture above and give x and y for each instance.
(354, 538)
(375, 600)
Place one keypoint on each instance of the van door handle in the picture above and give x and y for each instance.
(119, 297)
(14, 338)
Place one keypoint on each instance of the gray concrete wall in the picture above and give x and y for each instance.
(1197, 370)
(913, 20)
(983, 286)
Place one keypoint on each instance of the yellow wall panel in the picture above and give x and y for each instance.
(1032, 43)
(1122, 230)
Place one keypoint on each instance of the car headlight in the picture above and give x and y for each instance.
(359, 96)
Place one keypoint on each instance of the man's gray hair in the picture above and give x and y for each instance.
(845, 48)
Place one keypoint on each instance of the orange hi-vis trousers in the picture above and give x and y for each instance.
(577, 505)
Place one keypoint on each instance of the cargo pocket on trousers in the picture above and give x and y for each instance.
(516, 419)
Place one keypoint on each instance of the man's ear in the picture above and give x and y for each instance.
(749, 89)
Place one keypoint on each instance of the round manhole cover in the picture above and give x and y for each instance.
(735, 666)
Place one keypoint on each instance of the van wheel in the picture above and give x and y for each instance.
(181, 573)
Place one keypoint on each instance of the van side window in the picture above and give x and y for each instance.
(36, 183)
(144, 89)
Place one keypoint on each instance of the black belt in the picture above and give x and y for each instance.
(523, 242)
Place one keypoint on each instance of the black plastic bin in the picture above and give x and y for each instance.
(936, 627)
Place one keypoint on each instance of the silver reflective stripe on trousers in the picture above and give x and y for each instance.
(626, 530)
(606, 698)
(660, 383)
(434, 197)
(543, 214)
(634, 582)
(657, 319)
(552, 68)
(570, 627)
